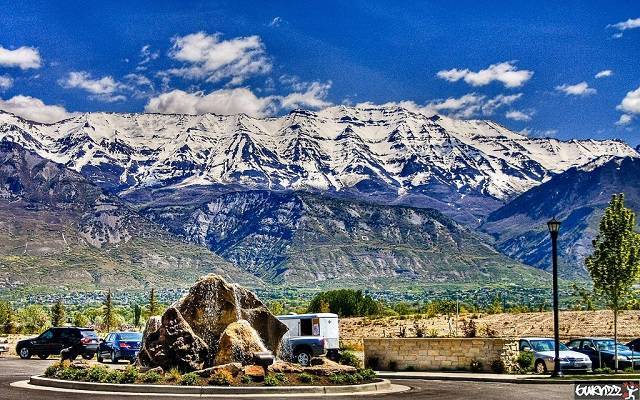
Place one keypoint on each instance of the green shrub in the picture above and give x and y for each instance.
(150, 377)
(51, 370)
(306, 377)
(113, 376)
(367, 374)
(189, 379)
(222, 378)
(498, 366)
(525, 360)
(275, 379)
(629, 370)
(349, 358)
(475, 366)
(67, 373)
(353, 378)
(173, 375)
(246, 379)
(97, 373)
(338, 379)
(129, 374)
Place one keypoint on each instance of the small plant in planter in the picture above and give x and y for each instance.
(189, 379)
(246, 379)
(150, 377)
(97, 373)
(525, 361)
(349, 358)
(129, 374)
(306, 377)
(367, 374)
(497, 366)
(223, 378)
(173, 375)
(274, 379)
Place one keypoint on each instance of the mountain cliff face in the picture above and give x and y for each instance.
(578, 198)
(379, 154)
(301, 238)
(56, 228)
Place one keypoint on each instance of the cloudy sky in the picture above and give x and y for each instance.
(570, 72)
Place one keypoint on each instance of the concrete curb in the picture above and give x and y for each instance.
(497, 379)
(381, 385)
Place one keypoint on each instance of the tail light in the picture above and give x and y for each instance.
(85, 340)
(124, 345)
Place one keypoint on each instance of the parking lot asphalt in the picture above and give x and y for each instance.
(14, 369)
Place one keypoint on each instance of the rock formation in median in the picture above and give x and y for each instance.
(214, 323)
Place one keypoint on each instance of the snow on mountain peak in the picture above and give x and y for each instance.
(374, 150)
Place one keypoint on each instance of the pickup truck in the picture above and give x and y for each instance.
(310, 335)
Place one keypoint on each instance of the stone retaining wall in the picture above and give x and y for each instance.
(433, 354)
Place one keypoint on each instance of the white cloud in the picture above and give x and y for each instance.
(631, 102)
(505, 72)
(625, 119)
(23, 57)
(631, 23)
(604, 74)
(5, 82)
(104, 88)
(518, 115)
(237, 100)
(314, 96)
(208, 57)
(146, 56)
(464, 107)
(34, 109)
(499, 101)
(579, 89)
(276, 22)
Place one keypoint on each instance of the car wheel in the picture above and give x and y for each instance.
(303, 358)
(100, 359)
(540, 367)
(114, 359)
(43, 356)
(25, 353)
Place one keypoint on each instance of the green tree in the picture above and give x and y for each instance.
(154, 307)
(344, 302)
(33, 319)
(58, 313)
(137, 311)
(80, 319)
(7, 318)
(277, 307)
(615, 262)
(108, 314)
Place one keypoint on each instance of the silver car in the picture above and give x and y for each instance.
(544, 354)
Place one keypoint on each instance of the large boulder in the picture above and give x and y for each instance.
(174, 345)
(213, 303)
(238, 343)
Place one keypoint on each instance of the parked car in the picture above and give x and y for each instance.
(79, 342)
(120, 346)
(601, 351)
(311, 335)
(544, 355)
(634, 345)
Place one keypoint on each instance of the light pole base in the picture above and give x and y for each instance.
(557, 374)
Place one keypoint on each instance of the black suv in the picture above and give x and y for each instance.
(80, 342)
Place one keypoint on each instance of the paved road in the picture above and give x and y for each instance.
(13, 369)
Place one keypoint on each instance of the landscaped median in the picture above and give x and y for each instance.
(130, 380)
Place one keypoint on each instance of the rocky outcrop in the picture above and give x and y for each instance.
(175, 345)
(238, 343)
(215, 323)
(213, 303)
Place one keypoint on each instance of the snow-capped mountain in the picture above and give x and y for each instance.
(465, 168)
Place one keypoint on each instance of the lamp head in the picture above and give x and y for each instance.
(554, 225)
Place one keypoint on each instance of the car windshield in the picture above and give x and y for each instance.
(609, 345)
(133, 336)
(546, 345)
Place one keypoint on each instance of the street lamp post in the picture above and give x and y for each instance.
(554, 229)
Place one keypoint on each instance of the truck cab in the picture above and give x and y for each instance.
(310, 335)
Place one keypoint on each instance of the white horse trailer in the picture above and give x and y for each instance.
(312, 335)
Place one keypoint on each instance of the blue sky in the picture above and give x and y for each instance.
(531, 67)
